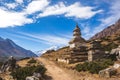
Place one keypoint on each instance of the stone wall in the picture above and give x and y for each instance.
(96, 54)
(63, 60)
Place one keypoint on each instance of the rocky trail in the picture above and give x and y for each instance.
(54, 71)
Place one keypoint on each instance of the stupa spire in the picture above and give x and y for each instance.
(76, 37)
(77, 31)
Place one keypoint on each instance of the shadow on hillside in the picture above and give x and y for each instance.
(48, 77)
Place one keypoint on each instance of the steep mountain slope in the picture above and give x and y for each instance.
(111, 30)
(9, 48)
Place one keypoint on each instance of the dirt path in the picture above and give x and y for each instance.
(55, 72)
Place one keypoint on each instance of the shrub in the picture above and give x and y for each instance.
(25, 58)
(105, 38)
(49, 51)
(32, 61)
(22, 73)
(110, 46)
(94, 67)
(112, 57)
(1, 64)
(118, 38)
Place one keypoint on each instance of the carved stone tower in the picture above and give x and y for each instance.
(77, 40)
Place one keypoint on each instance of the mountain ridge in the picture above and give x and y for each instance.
(9, 48)
(110, 30)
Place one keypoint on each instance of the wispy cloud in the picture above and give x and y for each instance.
(44, 39)
(51, 39)
(114, 15)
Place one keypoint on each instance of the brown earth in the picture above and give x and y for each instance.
(55, 72)
(59, 73)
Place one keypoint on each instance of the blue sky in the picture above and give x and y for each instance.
(41, 24)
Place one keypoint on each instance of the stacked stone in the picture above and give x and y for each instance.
(77, 40)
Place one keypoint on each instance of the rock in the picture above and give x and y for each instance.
(116, 66)
(10, 64)
(36, 76)
(116, 52)
(107, 73)
(32, 78)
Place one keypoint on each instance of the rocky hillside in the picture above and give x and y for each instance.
(9, 48)
(111, 30)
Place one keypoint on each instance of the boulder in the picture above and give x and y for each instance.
(116, 66)
(107, 73)
(32, 78)
(36, 76)
(9, 65)
(116, 52)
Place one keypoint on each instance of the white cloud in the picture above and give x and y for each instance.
(75, 10)
(13, 18)
(36, 5)
(8, 18)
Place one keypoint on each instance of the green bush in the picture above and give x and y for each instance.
(118, 38)
(110, 46)
(25, 58)
(49, 51)
(22, 73)
(112, 57)
(105, 38)
(94, 67)
(1, 64)
(32, 61)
